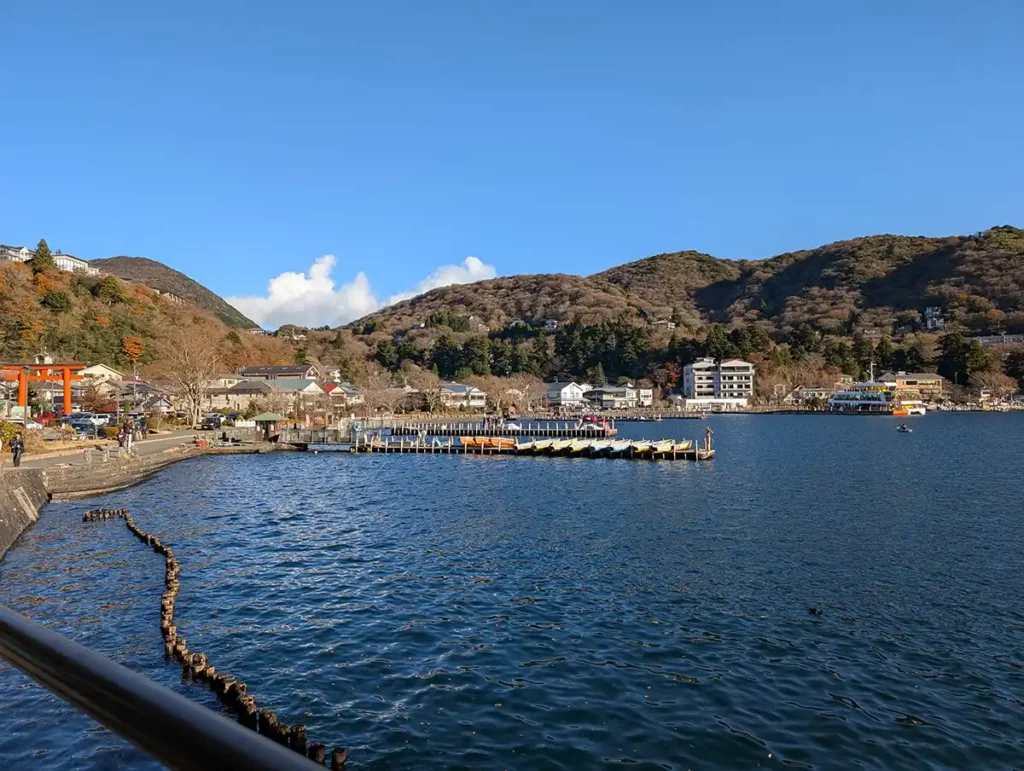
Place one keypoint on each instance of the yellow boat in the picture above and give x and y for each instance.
(526, 446)
(642, 447)
(542, 445)
(579, 445)
(684, 446)
(663, 447)
(599, 446)
(472, 442)
(501, 442)
(561, 445)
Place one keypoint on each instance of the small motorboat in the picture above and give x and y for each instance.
(905, 429)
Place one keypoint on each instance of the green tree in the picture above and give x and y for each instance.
(863, 352)
(300, 356)
(385, 354)
(501, 357)
(108, 289)
(43, 259)
(884, 353)
(477, 355)
(1013, 365)
(717, 344)
(446, 357)
(409, 350)
(56, 301)
(596, 375)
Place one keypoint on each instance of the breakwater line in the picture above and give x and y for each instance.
(196, 667)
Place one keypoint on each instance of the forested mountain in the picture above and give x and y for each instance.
(880, 282)
(156, 275)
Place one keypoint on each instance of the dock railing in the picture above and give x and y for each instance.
(172, 729)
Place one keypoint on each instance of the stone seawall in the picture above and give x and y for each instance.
(22, 494)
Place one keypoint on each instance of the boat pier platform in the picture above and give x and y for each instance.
(545, 428)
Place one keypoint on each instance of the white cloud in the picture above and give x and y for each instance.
(311, 300)
(472, 269)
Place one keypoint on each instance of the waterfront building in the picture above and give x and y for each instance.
(624, 397)
(459, 395)
(238, 396)
(566, 395)
(699, 379)
(344, 394)
(280, 372)
(917, 385)
(707, 383)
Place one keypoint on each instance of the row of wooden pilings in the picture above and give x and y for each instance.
(197, 667)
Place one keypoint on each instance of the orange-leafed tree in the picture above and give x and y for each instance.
(133, 348)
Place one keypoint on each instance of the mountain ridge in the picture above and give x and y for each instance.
(163, 278)
(871, 281)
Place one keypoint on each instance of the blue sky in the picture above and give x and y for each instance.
(238, 141)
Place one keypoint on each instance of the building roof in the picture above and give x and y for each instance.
(459, 388)
(298, 384)
(914, 375)
(269, 417)
(245, 387)
(276, 369)
(735, 361)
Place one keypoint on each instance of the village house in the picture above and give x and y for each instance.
(624, 397)
(280, 372)
(551, 325)
(344, 395)
(463, 396)
(565, 395)
(238, 396)
(808, 395)
(101, 373)
(72, 264)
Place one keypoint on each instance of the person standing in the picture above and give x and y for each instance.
(17, 447)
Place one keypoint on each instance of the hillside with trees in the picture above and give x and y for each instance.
(102, 319)
(877, 282)
(156, 275)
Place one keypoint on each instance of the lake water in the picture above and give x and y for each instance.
(499, 612)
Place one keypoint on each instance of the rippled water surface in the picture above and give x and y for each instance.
(440, 612)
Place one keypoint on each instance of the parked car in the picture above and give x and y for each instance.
(29, 424)
(213, 422)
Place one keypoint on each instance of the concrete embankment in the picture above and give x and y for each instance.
(22, 494)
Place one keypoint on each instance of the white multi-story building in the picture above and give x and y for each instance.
(72, 264)
(734, 379)
(15, 253)
(707, 383)
(699, 379)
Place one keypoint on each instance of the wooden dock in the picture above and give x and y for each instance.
(548, 428)
(665, 449)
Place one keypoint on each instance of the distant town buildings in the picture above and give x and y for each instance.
(991, 341)
(707, 383)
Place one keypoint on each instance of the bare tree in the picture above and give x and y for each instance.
(996, 384)
(374, 383)
(191, 360)
(429, 386)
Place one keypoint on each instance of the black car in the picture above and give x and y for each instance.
(213, 422)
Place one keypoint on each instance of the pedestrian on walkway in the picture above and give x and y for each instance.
(17, 448)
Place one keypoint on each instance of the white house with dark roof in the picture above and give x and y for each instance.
(459, 395)
(15, 253)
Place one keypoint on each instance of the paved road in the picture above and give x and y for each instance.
(153, 444)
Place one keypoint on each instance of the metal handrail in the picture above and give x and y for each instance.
(176, 731)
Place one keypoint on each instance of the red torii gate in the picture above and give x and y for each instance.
(31, 373)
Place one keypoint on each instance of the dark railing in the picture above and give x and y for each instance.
(180, 733)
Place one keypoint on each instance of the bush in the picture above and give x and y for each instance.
(109, 432)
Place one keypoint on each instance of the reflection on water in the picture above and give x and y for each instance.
(572, 613)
